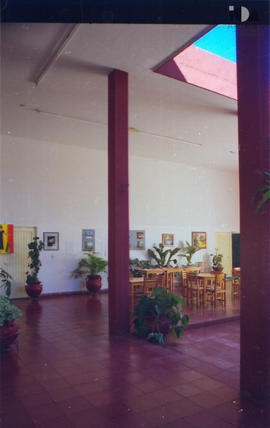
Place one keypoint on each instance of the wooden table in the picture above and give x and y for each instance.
(168, 274)
(150, 271)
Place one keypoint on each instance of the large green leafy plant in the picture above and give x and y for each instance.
(35, 247)
(92, 264)
(163, 257)
(151, 312)
(8, 312)
(5, 281)
(265, 191)
(188, 251)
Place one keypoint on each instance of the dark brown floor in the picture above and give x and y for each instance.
(69, 373)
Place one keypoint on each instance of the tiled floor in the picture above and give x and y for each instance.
(69, 373)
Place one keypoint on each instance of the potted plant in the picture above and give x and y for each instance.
(33, 285)
(155, 316)
(163, 257)
(217, 261)
(188, 252)
(9, 329)
(5, 281)
(90, 267)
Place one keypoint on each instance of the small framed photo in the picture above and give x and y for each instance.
(137, 240)
(51, 241)
(167, 239)
(198, 239)
(88, 240)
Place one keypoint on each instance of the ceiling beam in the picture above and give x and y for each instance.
(55, 52)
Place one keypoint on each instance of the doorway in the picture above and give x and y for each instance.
(16, 263)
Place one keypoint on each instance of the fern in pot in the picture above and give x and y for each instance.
(90, 267)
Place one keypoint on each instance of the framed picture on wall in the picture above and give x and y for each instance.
(198, 239)
(137, 240)
(88, 240)
(167, 239)
(51, 241)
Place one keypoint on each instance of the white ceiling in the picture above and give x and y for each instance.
(71, 99)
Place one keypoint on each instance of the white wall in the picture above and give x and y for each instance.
(58, 188)
(167, 197)
(63, 188)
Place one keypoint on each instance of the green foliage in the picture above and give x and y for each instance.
(265, 190)
(136, 263)
(217, 260)
(8, 312)
(189, 250)
(163, 257)
(150, 312)
(35, 247)
(5, 281)
(92, 264)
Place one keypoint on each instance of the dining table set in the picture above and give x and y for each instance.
(196, 287)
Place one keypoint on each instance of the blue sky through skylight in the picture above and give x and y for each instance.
(220, 41)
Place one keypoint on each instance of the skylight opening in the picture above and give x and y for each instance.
(209, 63)
(220, 41)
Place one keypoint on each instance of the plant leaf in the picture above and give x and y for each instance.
(265, 198)
(261, 189)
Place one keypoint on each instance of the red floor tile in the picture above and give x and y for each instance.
(69, 373)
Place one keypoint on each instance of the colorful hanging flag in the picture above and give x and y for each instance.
(6, 238)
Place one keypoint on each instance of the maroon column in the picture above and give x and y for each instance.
(254, 158)
(118, 203)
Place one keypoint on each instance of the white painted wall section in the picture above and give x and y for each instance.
(63, 188)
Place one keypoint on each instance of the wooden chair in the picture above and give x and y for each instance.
(195, 289)
(191, 270)
(184, 283)
(150, 284)
(236, 271)
(216, 291)
(169, 280)
(236, 288)
(136, 290)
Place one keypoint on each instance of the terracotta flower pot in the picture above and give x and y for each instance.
(8, 334)
(93, 284)
(34, 289)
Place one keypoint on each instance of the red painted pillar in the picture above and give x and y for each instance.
(254, 158)
(118, 203)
